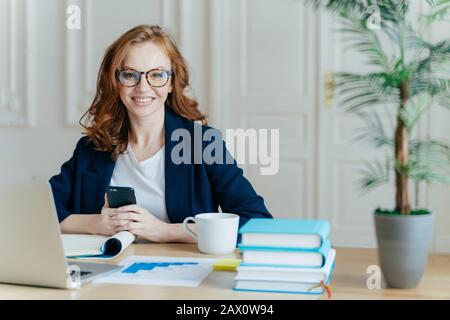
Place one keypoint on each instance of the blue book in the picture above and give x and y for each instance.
(284, 233)
(286, 257)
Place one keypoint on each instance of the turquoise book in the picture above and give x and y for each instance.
(284, 233)
(285, 256)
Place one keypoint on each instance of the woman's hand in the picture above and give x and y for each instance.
(103, 223)
(141, 223)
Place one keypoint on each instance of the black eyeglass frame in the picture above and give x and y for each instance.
(168, 72)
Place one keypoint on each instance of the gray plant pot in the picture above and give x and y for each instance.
(403, 244)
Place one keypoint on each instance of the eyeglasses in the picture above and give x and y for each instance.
(155, 77)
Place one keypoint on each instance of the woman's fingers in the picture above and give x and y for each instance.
(128, 216)
(121, 223)
(129, 226)
(132, 207)
(127, 223)
(106, 204)
(111, 212)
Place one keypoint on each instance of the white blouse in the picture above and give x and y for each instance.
(146, 178)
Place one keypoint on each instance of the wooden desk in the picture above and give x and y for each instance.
(348, 282)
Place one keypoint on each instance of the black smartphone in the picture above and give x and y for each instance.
(120, 196)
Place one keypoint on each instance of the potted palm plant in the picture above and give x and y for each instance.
(407, 80)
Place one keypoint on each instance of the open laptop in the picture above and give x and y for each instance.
(31, 249)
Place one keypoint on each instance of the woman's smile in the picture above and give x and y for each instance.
(143, 100)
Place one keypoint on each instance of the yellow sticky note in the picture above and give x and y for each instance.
(227, 264)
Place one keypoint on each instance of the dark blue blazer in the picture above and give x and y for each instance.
(189, 188)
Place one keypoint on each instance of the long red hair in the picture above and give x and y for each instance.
(106, 121)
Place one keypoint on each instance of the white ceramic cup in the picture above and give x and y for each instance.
(216, 232)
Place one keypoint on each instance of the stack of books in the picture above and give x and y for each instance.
(285, 255)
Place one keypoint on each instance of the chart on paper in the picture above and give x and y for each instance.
(162, 271)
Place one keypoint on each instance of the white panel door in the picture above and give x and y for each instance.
(263, 64)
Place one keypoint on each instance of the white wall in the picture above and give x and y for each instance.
(439, 128)
(34, 148)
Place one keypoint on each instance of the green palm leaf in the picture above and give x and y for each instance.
(359, 91)
(358, 36)
(439, 10)
(374, 174)
(414, 108)
(429, 161)
(373, 131)
(390, 10)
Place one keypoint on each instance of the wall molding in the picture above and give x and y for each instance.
(16, 97)
(76, 95)
(246, 94)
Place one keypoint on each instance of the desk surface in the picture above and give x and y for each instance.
(348, 281)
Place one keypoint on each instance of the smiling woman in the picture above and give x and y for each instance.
(139, 104)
